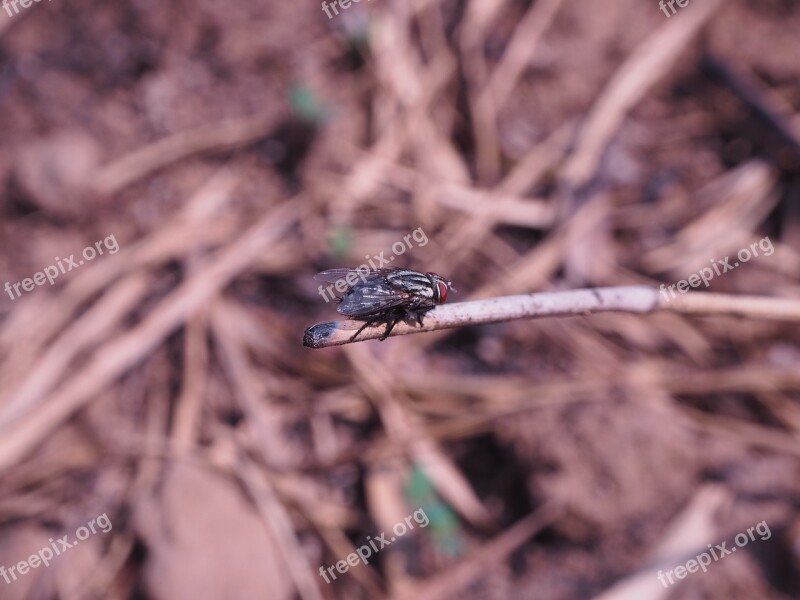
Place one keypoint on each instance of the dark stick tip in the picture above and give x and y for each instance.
(317, 334)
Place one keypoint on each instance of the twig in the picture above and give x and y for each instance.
(215, 137)
(632, 299)
(650, 61)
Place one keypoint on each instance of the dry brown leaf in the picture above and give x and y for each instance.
(206, 542)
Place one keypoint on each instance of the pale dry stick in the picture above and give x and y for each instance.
(742, 199)
(631, 299)
(742, 432)
(37, 322)
(473, 29)
(340, 545)
(31, 329)
(488, 101)
(537, 266)
(406, 430)
(189, 406)
(91, 328)
(464, 235)
(219, 136)
(674, 329)
(506, 390)
(5, 24)
(487, 207)
(278, 521)
(400, 64)
(101, 580)
(519, 54)
(148, 470)
(504, 205)
(27, 386)
(537, 161)
(505, 400)
(493, 398)
(497, 208)
(264, 423)
(687, 532)
(387, 504)
(651, 60)
(394, 132)
(749, 380)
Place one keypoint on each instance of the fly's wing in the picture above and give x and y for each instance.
(334, 275)
(371, 299)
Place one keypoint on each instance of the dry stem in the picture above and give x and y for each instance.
(635, 299)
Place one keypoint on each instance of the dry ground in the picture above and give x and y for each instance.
(232, 149)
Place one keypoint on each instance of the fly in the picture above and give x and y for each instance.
(387, 295)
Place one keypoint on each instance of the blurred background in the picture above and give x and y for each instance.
(231, 150)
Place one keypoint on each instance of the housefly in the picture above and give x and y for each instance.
(387, 295)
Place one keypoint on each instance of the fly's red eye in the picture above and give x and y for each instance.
(442, 288)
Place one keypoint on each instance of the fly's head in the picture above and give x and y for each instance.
(441, 287)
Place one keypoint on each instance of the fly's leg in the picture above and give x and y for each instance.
(389, 326)
(391, 319)
(417, 316)
(362, 328)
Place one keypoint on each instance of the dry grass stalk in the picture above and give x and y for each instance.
(630, 299)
